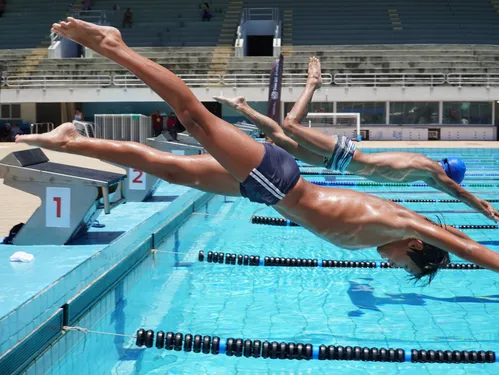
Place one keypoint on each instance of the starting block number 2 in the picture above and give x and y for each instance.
(58, 208)
(137, 179)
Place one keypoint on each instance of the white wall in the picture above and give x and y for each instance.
(357, 94)
(28, 112)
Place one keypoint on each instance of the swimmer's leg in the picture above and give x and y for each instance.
(235, 150)
(272, 130)
(202, 172)
(309, 138)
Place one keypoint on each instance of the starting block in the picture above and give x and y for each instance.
(71, 196)
(139, 185)
(185, 145)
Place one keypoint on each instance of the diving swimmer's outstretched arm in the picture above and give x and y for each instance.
(442, 182)
(460, 245)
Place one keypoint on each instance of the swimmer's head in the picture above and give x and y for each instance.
(454, 168)
(416, 257)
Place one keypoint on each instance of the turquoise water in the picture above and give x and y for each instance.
(172, 291)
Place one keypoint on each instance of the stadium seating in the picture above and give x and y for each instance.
(26, 23)
(166, 23)
(357, 36)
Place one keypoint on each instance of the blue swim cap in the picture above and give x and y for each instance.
(454, 168)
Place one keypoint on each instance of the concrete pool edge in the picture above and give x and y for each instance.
(150, 231)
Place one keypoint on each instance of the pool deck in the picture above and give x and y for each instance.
(31, 292)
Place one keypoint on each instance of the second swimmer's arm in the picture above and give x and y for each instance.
(275, 132)
(442, 182)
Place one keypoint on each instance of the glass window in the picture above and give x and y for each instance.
(412, 113)
(313, 107)
(467, 113)
(15, 111)
(370, 112)
(5, 111)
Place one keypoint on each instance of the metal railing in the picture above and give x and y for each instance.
(260, 14)
(288, 79)
(45, 127)
(54, 37)
(193, 80)
(70, 81)
(94, 16)
(257, 80)
(389, 79)
(473, 79)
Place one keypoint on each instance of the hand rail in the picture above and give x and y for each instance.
(288, 79)
(129, 80)
(40, 81)
(260, 14)
(258, 79)
(389, 79)
(473, 79)
(95, 16)
(50, 127)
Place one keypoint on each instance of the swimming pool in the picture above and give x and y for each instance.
(172, 291)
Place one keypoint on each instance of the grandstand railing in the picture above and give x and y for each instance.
(473, 79)
(260, 14)
(389, 79)
(203, 80)
(255, 79)
(288, 79)
(40, 81)
(94, 16)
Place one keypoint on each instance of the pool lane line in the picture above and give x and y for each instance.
(332, 173)
(239, 347)
(281, 222)
(390, 184)
(256, 260)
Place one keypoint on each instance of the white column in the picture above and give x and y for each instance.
(494, 112)
(335, 110)
(440, 112)
(387, 112)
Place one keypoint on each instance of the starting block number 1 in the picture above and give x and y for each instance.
(137, 179)
(58, 208)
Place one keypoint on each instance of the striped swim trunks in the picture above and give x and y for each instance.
(276, 175)
(343, 152)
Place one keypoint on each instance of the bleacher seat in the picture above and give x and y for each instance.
(26, 23)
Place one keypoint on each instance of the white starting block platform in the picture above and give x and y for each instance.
(72, 197)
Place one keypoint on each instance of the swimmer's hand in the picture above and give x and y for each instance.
(489, 210)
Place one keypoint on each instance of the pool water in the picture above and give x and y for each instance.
(172, 291)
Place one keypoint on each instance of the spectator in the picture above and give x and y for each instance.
(157, 123)
(206, 16)
(2, 7)
(171, 126)
(179, 128)
(15, 131)
(87, 4)
(116, 7)
(5, 133)
(78, 115)
(128, 18)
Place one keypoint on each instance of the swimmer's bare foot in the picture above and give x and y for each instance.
(314, 73)
(236, 103)
(95, 37)
(57, 140)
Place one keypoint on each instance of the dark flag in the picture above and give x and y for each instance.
(274, 104)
